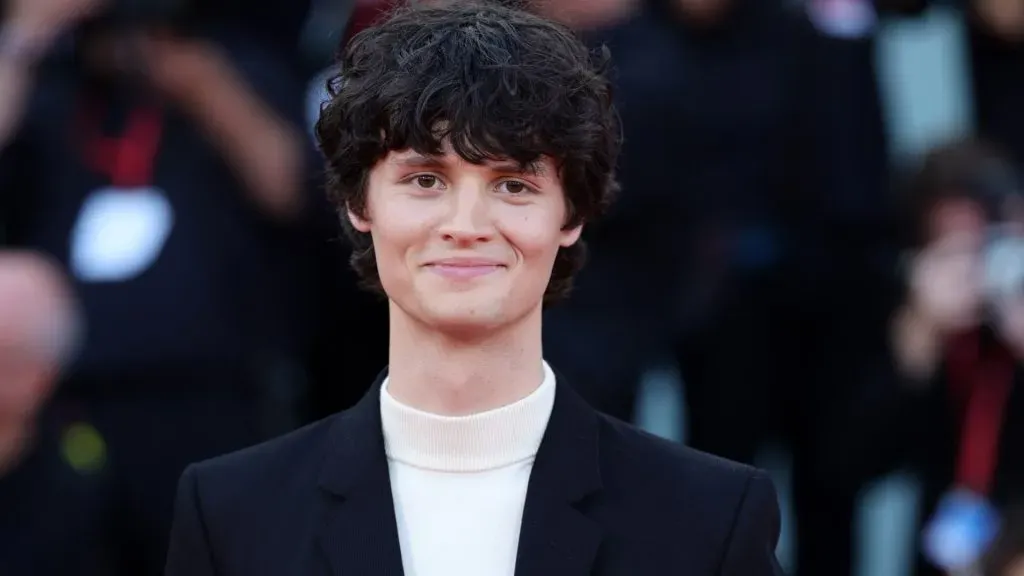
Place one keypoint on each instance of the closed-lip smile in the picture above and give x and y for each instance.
(464, 267)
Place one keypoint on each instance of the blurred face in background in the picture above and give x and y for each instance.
(958, 220)
(949, 269)
(971, 268)
(33, 311)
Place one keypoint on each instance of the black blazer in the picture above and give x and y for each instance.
(604, 498)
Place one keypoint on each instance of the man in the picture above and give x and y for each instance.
(467, 145)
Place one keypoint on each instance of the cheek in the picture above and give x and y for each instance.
(398, 233)
(535, 236)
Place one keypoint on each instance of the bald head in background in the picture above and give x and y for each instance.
(39, 330)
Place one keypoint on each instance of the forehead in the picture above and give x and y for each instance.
(542, 167)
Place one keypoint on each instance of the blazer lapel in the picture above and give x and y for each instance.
(557, 537)
(359, 535)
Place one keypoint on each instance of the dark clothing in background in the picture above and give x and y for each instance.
(921, 424)
(702, 171)
(603, 498)
(202, 353)
(736, 137)
(274, 24)
(844, 264)
(350, 338)
(796, 193)
(936, 422)
(621, 312)
(149, 437)
(748, 239)
(998, 91)
(74, 509)
(49, 513)
(228, 285)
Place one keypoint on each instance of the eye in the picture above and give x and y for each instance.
(426, 181)
(514, 187)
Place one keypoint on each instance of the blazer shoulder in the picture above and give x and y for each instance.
(296, 455)
(659, 483)
(633, 456)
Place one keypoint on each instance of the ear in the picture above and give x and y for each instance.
(359, 223)
(570, 236)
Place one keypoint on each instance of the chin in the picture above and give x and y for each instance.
(467, 312)
(465, 329)
(465, 319)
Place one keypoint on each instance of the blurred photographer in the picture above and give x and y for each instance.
(155, 150)
(39, 334)
(958, 342)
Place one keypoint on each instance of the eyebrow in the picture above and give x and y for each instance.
(420, 161)
(426, 161)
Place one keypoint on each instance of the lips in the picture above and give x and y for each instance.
(464, 268)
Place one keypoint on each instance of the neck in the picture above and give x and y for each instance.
(447, 375)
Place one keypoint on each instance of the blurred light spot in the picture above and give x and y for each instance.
(84, 448)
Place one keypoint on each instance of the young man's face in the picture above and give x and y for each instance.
(461, 247)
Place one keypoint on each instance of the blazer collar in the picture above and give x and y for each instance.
(360, 535)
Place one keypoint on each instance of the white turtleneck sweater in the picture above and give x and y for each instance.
(459, 483)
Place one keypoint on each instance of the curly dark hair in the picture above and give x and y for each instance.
(492, 81)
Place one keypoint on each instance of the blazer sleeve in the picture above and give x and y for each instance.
(188, 552)
(750, 548)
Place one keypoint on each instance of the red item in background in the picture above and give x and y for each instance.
(127, 160)
(366, 13)
(981, 376)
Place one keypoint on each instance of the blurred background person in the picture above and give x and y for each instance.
(753, 172)
(958, 342)
(839, 260)
(156, 151)
(620, 313)
(40, 330)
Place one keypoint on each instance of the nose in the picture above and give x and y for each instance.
(468, 217)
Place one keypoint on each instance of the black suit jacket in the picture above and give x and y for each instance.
(604, 499)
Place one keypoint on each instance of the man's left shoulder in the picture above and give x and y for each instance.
(633, 456)
(712, 515)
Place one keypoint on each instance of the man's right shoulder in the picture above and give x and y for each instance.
(237, 504)
(284, 464)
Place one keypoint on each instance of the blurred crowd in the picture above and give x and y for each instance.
(174, 285)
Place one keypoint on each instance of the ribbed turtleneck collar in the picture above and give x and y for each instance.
(473, 443)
